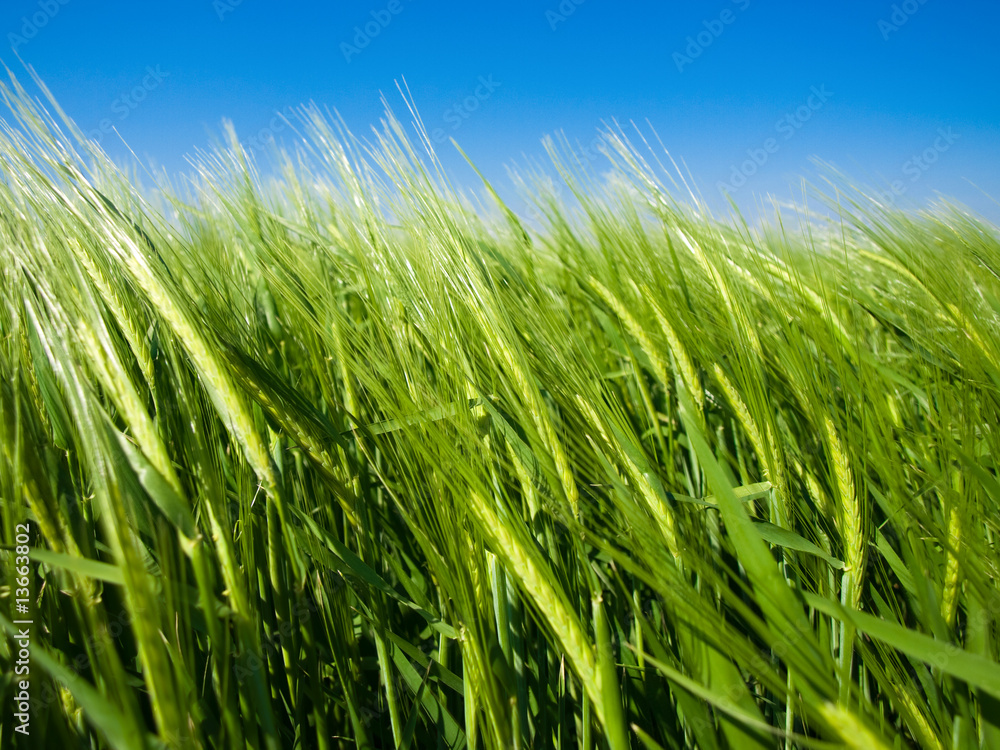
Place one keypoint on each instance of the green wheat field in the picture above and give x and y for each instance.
(342, 457)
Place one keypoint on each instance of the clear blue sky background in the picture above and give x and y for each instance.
(897, 74)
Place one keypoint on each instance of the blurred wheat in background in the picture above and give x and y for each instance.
(341, 459)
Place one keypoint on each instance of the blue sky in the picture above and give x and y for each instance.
(745, 92)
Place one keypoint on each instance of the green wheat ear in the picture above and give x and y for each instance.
(353, 460)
